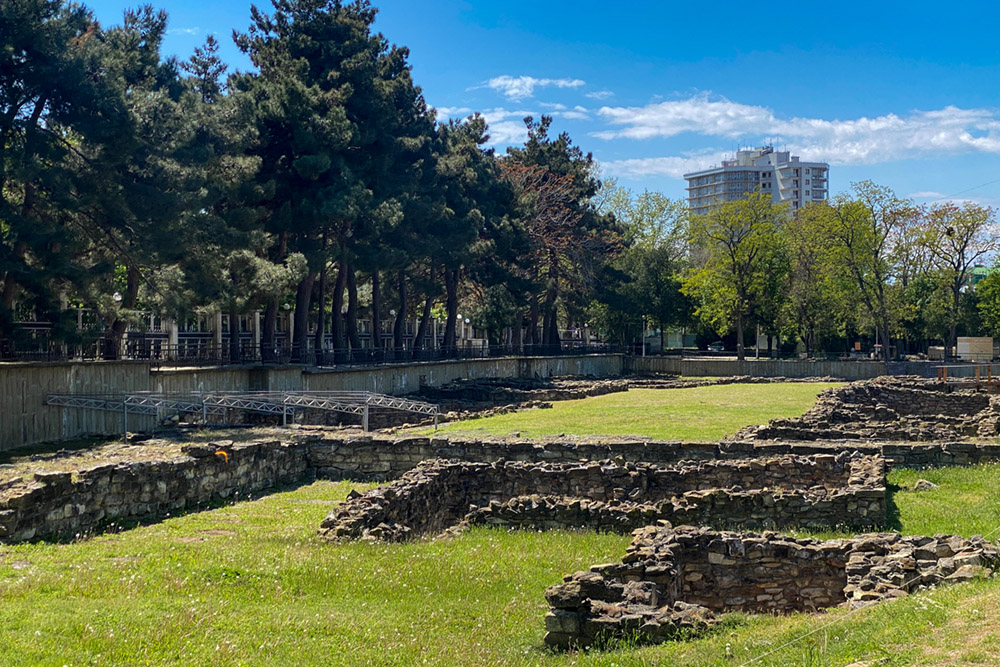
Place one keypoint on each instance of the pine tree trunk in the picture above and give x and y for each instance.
(320, 338)
(337, 318)
(550, 326)
(451, 306)
(303, 300)
(269, 326)
(376, 311)
(425, 318)
(9, 284)
(532, 320)
(398, 327)
(267, 352)
(352, 310)
(119, 325)
(234, 334)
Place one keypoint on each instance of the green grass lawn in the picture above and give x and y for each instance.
(694, 414)
(251, 584)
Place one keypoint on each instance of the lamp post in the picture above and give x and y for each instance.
(642, 338)
(287, 307)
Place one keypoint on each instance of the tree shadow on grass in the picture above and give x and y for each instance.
(52, 448)
(893, 521)
(120, 525)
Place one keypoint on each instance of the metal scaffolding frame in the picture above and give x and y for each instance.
(284, 403)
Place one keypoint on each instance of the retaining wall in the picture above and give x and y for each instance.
(789, 368)
(26, 420)
(408, 378)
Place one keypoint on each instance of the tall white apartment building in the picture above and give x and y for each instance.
(779, 174)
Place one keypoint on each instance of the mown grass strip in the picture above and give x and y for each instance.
(693, 414)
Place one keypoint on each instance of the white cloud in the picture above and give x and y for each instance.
(506, 132)
(520, 87)
(453, 112)
(576, 113)
(950, 130)
(600, 95)
(940, 197)
(506, 126)
(697, 114)
(184, 31)
(557, 110)
(673, 167)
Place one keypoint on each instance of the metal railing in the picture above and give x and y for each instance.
(205, 353)
(284, 403)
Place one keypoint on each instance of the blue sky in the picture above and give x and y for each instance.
(904, 94)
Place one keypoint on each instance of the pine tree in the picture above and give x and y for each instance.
(55, 96)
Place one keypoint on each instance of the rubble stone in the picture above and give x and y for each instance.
(712, 572)
(820, 491)
(890, 408)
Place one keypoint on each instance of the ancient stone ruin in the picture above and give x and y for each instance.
(890, 409)
(674, 581)
(819, 491)
(62, 501)
(824, 470)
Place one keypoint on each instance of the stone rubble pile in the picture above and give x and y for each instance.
(676, 580)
